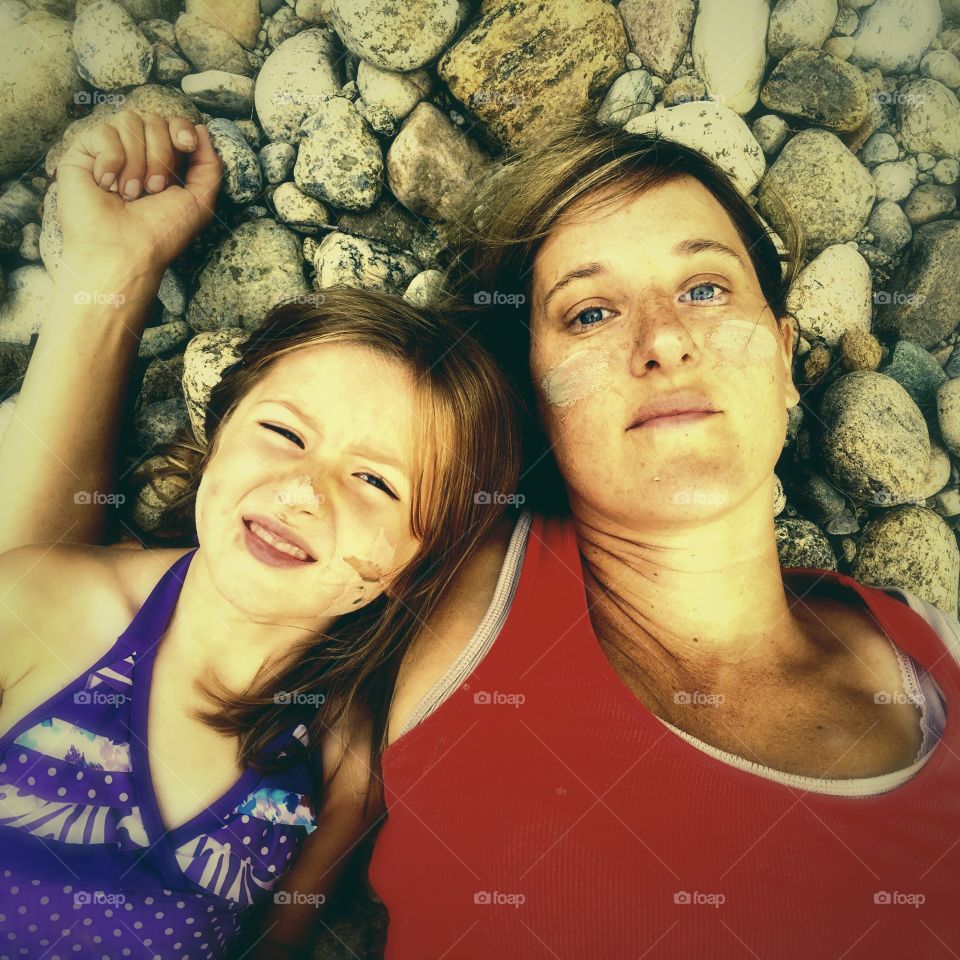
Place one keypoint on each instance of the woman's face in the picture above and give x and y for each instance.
(322, 449)
(636, 301)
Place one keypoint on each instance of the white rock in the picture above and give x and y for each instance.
(770, 132)
(112, 52)
(947, 171)
(929, 118)
(878, 149)
(832, 295)
(630, 95)
(294, 81)
(800, 24)
(299, 211)
(425, 288)
(729, 52)
(206, 356)
(942, 65)
(25, 306)
(397, 93)
(896, 179)
(893, 34)
(362, 264)
(713, 129)
(220, 92)
(12, 13)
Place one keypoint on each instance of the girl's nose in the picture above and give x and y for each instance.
(300, 494)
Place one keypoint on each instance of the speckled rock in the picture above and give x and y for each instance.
(658, 31)
(917, 372)
(159, 422)
(364, 264)
(253, 269)
(912, 548)
(22, 311)
(817, 87)
(948, 415)
(879, 148)
(920, 302)
(796, 24)
(519, 97)
(220, 92)
(112, 52)
(208, 48)
(822, 182)
(729, 52)
(875, 441)
(771, 132)
(276, 161)
(832, 295)
(928, 202)
(38, 83)
(295, 79)
(928, 114)
(893, 34)
(239, 19)
(425, 289)
(164, 338)
(890, 227)
(714, 130)
(299, 211)
(432, 167)
(242, 178)
(339, 160)
(938, 472)
(398, 36)
(396, 93)
(860, 350)
(207, 355)
(801, 543)
(631, 95)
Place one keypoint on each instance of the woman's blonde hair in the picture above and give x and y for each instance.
(497, 239)
(469, 439)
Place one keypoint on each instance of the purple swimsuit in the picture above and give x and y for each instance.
(86, 867)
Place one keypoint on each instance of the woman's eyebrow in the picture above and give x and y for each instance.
(685, 248)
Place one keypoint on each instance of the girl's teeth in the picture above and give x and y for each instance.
(277, 543)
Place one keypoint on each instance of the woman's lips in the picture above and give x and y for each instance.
(273, 554)
(675, 420)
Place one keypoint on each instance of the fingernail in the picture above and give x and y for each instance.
(106, 181)
(156, 183)
(132, 189)
(187, 139)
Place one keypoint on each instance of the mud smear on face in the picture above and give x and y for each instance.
(372, 569)
(580, 375)
(742, 343)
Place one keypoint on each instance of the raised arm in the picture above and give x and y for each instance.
(62, 438)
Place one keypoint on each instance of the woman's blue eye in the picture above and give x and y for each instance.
(289, 434)
(595, 313)
(702, 286)
(375, 481)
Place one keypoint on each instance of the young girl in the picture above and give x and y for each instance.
(175, 722)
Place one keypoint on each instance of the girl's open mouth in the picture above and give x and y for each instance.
(270, 549)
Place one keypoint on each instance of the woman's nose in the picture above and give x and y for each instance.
(662, 339)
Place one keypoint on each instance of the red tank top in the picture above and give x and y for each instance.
(542, 811)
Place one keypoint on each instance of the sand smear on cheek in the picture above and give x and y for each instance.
(580, 375)
(372, 571)
(742, 343)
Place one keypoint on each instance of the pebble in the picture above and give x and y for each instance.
(631, 95)
(239, 19)
(947, 171)
(799, 23)
(832, 295)
(920, 302)
(157, 341)
(172, 293)
(207, 355)
(426, 289)
(29, 290)
(162, 380)
(941, 65)
(254, 268)
(713, 129)
(396, 93)
(159, 422)
(339, 160)
(801, 543)
(895, 180)
(860, 350)
(928, 202)
(432, 167)
(683, 90)
(30, 242)
(519, 98)
(771, 132)
(112, 52)
(729, 52)
(948, 415)
(658, 31)
(276, 161)
(159, 30)
(815, 86)
(938, 472)
(363, 264)
(169, 67)
(219, 92)
(823, 184)
(917, 372)
(879, 148)
(39, 80)
(890, 227)
(242, 180)
(295, 80)
(875, 443)
(929, 118)
(399, 36)
(893, 34)
(208, 48)
(839, 47)
(299, 211)
(912, 548)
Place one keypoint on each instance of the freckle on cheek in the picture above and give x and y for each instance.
(742, 342)
(580, 375)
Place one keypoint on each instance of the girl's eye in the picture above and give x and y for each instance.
(377, 482)
(589, 317)
(289, 434)
(703, 287)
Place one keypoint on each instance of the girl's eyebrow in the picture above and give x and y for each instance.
(685, 248)
(293, 409)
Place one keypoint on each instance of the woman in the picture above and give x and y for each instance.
(637, 735)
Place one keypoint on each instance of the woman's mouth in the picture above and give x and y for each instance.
(271, 549)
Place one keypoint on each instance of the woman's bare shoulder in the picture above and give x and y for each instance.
(450, 629)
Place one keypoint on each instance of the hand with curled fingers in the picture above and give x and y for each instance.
(136, 189)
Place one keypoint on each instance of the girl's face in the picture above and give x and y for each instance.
(321, 450)
(649, 296)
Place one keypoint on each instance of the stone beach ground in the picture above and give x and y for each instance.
(351, 132)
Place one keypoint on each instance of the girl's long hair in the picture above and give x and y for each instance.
(469, 438)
